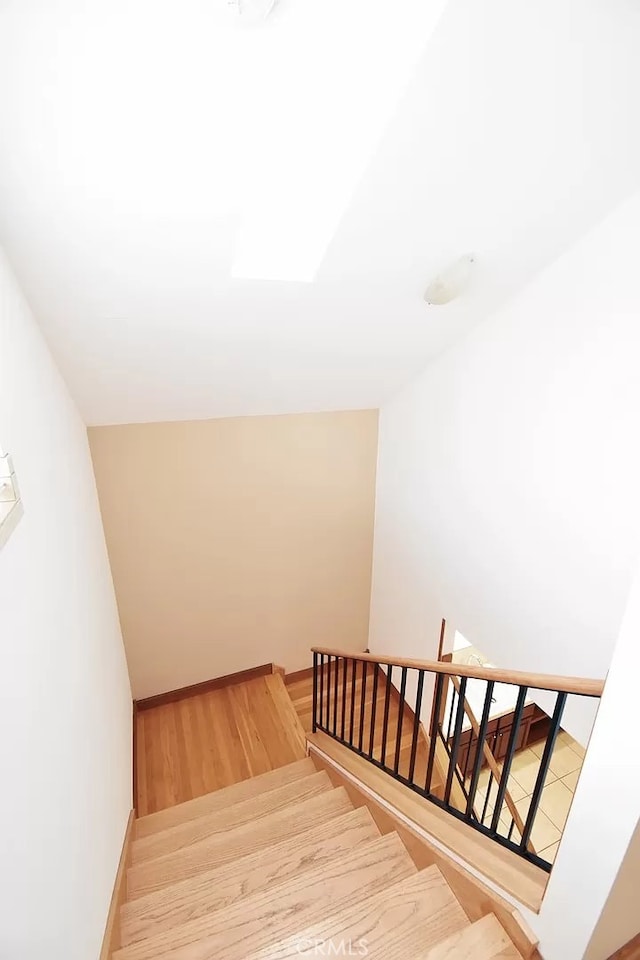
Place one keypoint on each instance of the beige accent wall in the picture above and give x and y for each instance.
(235, 542)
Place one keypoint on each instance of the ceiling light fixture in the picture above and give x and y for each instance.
(449, 284)
(253, 11)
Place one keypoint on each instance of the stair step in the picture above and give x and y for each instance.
(290, 728)
(219, 888)
(226, 797)
(221, 848)
(249, 811)
(485, 939)
(240, 930)
(400, 923)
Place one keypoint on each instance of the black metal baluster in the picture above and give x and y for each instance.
(315, 692)
(344, 695)
(385, 720)
(453, 757)
(482, 733)
(433, 732)
(561, 700)
(363, 701)
(465, 766)
(416, 726)
(486, 799)
(447, 719)
(335, 696)
(353, 699)
(492, 780)
(454, 694)
(374, 704)
(403, 690)
(511, 749)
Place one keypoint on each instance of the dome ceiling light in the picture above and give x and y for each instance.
(253, 11)
(451, 282)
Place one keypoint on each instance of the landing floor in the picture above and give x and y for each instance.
(214, 739)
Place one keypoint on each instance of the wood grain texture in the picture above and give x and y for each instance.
(226, 797)
(476, 899)
(134, 758)
(398, 924)
(222, 848)
(236, 932)
(112, 934)
(218, 888)
(297, 675)
(201, 744)
(630, 951)
(523, 880)
(483, 940)
(301, 694)
(301, 853)
(216, 683)
(542, 681)
(252, 810)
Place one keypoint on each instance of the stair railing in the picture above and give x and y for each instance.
(341, 710)
(494, 768)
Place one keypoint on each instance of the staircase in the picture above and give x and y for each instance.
(284, 865)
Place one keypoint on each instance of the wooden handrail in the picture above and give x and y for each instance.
(540, 681)
(493, 765)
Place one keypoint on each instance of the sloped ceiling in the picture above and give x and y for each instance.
(212, 219)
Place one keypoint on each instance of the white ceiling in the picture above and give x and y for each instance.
(212, 220)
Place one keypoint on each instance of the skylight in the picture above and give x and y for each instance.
(313, 104)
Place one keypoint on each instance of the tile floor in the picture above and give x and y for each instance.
(557, 794)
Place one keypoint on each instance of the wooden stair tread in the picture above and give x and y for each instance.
(221, 848)
(290, 727)
(236, 932)
(219, 888)
(253, 870)
(226, 797)
(485, 939)
(400, 923)
(250, 810)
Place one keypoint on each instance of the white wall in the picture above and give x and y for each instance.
(65, 704)
(602, 821)
(508, 474)
(619, 921)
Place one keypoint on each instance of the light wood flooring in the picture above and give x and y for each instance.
(212, 740)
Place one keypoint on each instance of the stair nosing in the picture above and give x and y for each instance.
(319, 875)
(146, 821)
(359, 817)
(143, 843)
(338, 794)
